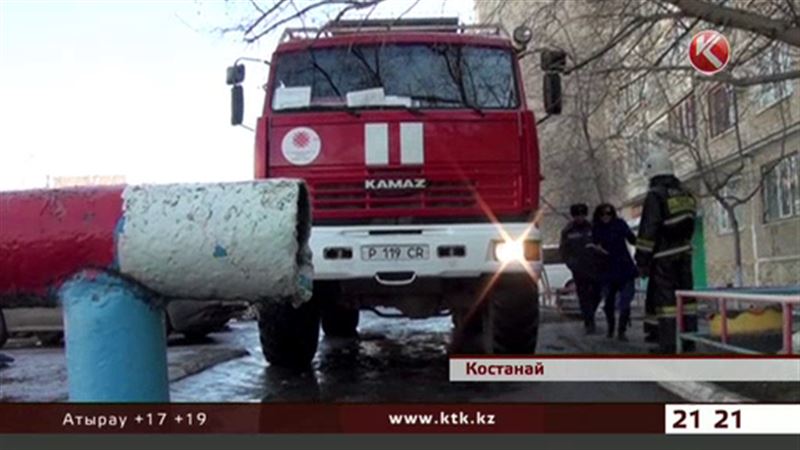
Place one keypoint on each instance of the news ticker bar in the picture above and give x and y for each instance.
(174, 418)
(739, 368)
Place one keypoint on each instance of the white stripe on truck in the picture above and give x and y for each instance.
(412, 150)
(376, 144)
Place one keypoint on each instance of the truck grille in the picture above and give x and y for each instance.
(497, 188)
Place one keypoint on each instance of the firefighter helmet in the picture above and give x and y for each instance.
(658, 163)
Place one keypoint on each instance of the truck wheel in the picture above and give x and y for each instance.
(194, 337)
(469, 335)
(51, 338)
(3, 330)
(289, 335)
(513, 316)
(339, 321)
(167, 326)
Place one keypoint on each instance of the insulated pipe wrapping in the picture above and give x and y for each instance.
(220, 241)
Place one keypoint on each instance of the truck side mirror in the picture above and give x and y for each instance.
(552, 93)
(553, 63)
(237, 104)
(234, 74)
(554, 60)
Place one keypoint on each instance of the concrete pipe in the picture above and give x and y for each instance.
(224, 241)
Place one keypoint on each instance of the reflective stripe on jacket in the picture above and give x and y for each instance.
(667, 222)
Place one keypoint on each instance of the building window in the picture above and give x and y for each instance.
(635, 95)
(732, 189)
(721, 114)
(782, 189)
(639, 147)
(773, 61)
(683, 119)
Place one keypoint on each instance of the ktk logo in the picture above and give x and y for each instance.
(709, 52)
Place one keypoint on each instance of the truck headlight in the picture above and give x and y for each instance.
(521, 250)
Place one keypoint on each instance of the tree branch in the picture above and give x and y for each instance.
(793, 9)
(722, 77)
(348, 5)
(726, 16)
(754, 80)
(623, 34)
(263, 16)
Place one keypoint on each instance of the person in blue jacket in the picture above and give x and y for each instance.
(611, 235)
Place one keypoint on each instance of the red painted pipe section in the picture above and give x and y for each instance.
(679, 322)
(724, 323)
(46, 235)
(787, 328)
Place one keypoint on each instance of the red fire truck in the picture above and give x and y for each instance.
(422, 162)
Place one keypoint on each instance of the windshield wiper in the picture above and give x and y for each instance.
(313, 108)
(412, 109)
(475, 108)
(452, 101)
(352, 111)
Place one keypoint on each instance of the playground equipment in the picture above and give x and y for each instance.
(786, 297)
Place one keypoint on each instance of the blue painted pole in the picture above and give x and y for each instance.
(115, 339)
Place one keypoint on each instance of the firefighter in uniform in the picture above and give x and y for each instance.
(664, 251)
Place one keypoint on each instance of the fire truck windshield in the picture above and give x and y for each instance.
(395, 75)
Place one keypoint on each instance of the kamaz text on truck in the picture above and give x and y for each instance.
(422, 161)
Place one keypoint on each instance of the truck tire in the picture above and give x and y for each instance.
(513, 316)
(469, 335)
(51, 338)
(3, 330)
(195, 337)
(289, 335)
(339, 321)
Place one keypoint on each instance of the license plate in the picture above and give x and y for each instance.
(394, 252)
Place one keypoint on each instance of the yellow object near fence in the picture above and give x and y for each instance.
(748, 322)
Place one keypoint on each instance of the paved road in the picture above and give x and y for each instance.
(396, 360)
(39, 374)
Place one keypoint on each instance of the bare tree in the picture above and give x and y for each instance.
(779, 21)
(270, 16)
(628, 69)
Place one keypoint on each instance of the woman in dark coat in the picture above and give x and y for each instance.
(610, 235)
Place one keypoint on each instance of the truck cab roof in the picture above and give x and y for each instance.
(393, 31)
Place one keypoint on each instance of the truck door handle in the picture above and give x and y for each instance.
(398, 282)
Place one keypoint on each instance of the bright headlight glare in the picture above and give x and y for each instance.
(509, 251)
(521, 250)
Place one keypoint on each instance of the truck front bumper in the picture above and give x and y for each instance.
(453, 250)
